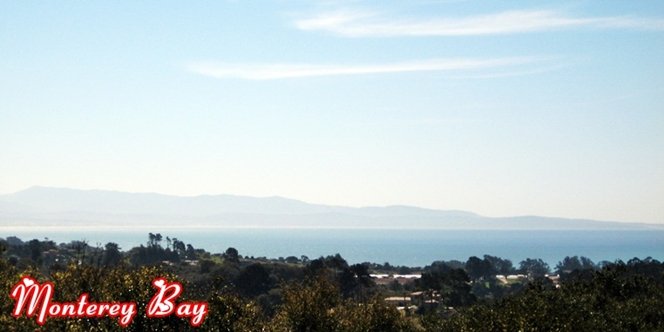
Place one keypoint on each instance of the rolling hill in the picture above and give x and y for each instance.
(46, 206)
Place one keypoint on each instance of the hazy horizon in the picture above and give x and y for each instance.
(66, 207)
(503, 109)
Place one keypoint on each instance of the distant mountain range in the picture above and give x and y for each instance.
(45, 206)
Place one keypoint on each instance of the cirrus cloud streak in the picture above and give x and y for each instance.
(370, 24)
(284, 70)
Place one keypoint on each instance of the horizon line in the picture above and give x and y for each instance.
(657, 224)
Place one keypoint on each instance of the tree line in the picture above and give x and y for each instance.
(329, 294)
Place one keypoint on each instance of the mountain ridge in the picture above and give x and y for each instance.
(39, 206)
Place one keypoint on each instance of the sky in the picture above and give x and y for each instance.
(502, 108)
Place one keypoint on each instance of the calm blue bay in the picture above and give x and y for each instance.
(398, 247)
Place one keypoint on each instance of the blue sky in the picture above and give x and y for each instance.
(501, 108)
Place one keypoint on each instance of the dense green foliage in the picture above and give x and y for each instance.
(619, 297)
(328, 294)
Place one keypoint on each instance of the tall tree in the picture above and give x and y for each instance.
(534, 268)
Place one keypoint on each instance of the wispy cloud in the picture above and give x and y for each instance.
(371, 24)
(512, 72)
(282, 71)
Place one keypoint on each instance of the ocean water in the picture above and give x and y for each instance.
(398, 247)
